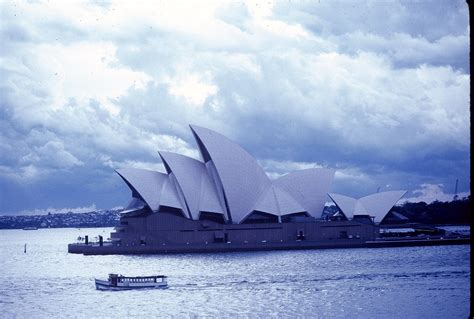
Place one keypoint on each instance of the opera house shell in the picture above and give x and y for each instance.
(376, 205)
(225, 201)
(228, 182)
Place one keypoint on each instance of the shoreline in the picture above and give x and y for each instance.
(108, 249)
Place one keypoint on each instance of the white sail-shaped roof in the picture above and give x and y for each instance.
(287, 204)
(209, 198)
(360, 209)
(345, 204)
(242, 179)
(187, 172)
(379, 204)
(169, 196)
(194, 182)
(376, 205)
(268, 203)
(148, 184)
(276, 201)
(230, 182)
(308, 187)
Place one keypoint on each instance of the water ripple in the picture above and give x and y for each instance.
(358, 283)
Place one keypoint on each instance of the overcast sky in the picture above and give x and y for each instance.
(378, 90)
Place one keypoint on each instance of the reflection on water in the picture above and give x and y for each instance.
(409, 282)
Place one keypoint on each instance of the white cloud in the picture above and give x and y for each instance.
(275, 169)
(192, 88)
(21, 175)
(405, 50)
(52, 154)
(107, 161)
(80, 71)
(351, 175)
(429, 193)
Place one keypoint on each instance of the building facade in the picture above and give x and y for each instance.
(225, 201)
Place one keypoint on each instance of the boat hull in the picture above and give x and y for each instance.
(106, 285)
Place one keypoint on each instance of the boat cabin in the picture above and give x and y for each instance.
(115, 279)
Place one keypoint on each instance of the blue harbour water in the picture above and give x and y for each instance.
(408, 282)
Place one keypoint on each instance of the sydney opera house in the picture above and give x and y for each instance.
(226, 202)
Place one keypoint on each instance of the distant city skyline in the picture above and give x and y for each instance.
(378, 91)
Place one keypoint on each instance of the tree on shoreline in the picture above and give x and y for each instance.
(454, 212)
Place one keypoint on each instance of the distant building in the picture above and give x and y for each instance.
(461, 230)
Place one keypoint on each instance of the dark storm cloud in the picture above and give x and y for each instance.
(409, 32)
(415, 18)
(377, 90)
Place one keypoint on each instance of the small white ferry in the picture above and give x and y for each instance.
(119, 282)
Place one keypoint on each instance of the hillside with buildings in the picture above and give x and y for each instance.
(454, 212)
(101, 218)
